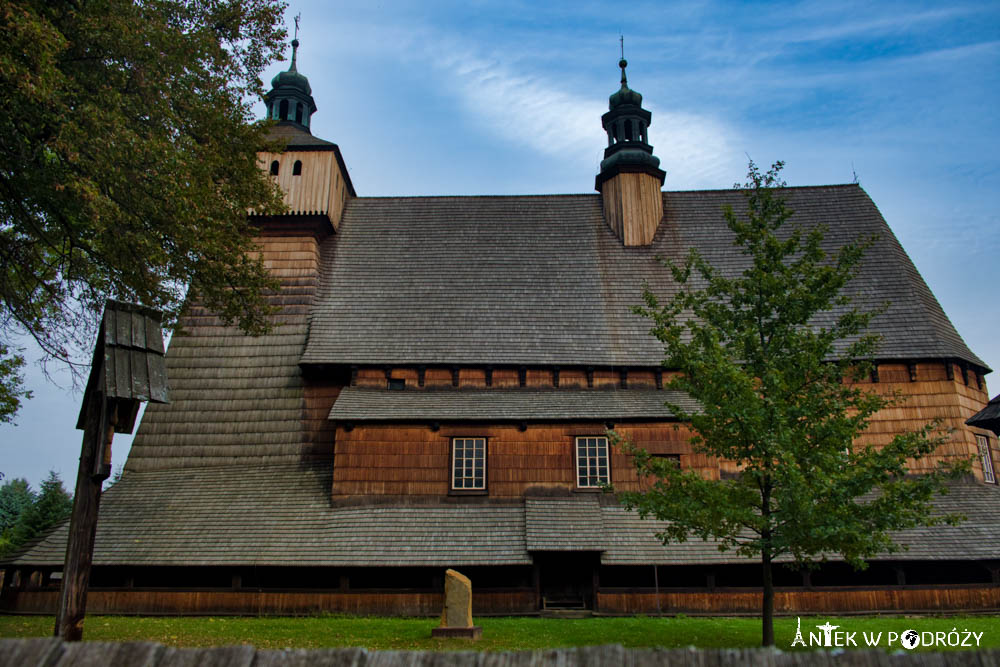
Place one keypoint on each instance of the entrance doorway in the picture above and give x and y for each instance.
(567, 579)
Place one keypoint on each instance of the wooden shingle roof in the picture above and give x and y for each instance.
(542, 280)
(281, 515)
(356, 404)
(988, 417)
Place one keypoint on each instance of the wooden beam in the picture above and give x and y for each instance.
(102, 416)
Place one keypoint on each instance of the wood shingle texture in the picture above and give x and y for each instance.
(237, 398)
(356, 404)
(542, 280)
(279, 515)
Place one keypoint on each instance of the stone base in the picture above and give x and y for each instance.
(475, 632)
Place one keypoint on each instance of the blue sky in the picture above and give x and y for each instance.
(506, 97)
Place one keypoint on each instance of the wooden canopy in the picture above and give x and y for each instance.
(128, 361)
(988, 417)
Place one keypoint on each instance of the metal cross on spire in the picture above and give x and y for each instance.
(295, 43)
(623, 63)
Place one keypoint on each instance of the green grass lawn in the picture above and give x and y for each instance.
(499, 634)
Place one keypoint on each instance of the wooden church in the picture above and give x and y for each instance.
(436, 394)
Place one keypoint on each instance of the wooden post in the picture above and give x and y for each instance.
(102, 416)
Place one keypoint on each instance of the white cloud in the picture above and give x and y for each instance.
(535, 112)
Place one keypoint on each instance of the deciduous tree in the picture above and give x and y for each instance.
(770, 354)
(128, 164)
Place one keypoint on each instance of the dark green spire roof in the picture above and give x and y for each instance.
(626, 123)
(624, 95)
(292, 78)
(290, 99)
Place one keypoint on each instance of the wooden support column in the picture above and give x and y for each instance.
(102, 416)
(595, 583)
(536, 577)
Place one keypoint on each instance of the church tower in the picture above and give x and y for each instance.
(310, 171)
(630, 177)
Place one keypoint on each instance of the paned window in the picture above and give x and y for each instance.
(468, 464)
(984, 453)
(592, 462)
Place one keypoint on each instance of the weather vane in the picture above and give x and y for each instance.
(621, 39)
(297, 17)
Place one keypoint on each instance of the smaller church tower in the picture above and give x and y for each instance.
(630, 177)
(290, 99)
(310, 171)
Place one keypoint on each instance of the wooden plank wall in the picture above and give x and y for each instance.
(413, 459)
(633, 207)
(868, 601)
(507, 378)
(388, 603)
(290, 603)
(319, 189)
(931, 395)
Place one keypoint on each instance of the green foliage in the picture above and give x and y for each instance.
(15, 496)
(499, 634)
(52, 505)
(11, 384)
(128, 164)
(766, 354)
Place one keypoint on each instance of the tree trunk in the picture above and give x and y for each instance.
(767, 612)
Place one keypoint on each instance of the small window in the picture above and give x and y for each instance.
(274, 168)
(468, 464)
(297, 168)
(984, 454)
(628, 131)
(592, 467)
(283, 110)
(674, 459)
(298, 113)
(397, 384)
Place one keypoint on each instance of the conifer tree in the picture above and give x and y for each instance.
(16, 496)
(52, 506)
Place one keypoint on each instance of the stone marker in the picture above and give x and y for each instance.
(456, 617)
